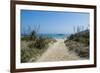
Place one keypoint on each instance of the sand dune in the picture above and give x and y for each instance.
(58, 52)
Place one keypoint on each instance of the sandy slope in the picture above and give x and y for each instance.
(58, 52)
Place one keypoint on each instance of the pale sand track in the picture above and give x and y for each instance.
(58, 52)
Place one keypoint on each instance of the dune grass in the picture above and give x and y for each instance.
(33, 46)
(28, 53)
(79, 43)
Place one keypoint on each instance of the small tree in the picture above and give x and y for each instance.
(34, 32)
(33, 35)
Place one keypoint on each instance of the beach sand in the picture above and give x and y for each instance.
(58, 52)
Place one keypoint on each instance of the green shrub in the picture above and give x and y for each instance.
(81, 37)
(37, 41)
(33, 35)
(40, 43)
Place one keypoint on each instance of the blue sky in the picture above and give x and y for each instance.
(52, 22)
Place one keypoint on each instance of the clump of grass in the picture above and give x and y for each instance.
(40, 43)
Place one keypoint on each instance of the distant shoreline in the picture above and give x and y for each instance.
(52, 36)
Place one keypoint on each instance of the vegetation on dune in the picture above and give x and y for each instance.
(82, 37)
(31, 53)
(39, 43)
(79, 43)
(81, 49)
(33, 45)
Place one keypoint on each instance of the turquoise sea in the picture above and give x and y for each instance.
(55, 36)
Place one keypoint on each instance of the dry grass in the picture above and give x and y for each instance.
(30, 54)
(32, 50)
(81, 49)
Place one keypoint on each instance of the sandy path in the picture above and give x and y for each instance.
(58, 52)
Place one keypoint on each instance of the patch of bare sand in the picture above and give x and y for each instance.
(58, 52)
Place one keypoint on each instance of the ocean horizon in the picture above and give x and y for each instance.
(51, 35)
(54, 36)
